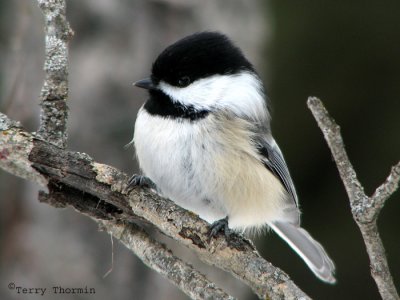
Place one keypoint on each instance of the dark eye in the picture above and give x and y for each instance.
(184, 81)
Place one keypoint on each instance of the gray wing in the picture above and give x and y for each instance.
(299, 239)
(273, 159)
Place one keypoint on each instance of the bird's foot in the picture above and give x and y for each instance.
(219, 226)
(140, 180)
(233, 239)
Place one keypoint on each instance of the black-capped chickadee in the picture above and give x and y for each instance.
(204, 139)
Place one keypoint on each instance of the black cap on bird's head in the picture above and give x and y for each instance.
(204, 72)
(198, 56)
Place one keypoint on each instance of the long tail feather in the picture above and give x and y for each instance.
(307, 248)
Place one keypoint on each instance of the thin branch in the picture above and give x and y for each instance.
(384, 191)
(152, 253)
(54, 94)
(159, 258)
(332, 135)
(365, 209)
(105, 186)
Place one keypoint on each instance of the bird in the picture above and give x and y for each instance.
(203, 139)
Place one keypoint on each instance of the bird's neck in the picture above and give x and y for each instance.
(161, 105)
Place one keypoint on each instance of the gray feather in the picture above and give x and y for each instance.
(274, 161)
(307, 248)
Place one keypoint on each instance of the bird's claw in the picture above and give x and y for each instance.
(140, 180)
(218, 226)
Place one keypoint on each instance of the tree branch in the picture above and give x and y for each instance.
(106, 187)
(160, 259)
(152, 253)
(365, 209)
(54, 94)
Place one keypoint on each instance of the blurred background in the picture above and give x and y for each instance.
(346, 53)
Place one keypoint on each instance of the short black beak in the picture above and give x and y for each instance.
(146, 83)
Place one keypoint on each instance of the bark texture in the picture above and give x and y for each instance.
(54, 94)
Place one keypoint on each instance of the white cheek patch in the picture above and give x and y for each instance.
(240, 93)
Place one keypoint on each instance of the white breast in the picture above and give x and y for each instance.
(209, 167)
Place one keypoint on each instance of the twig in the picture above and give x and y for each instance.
(74, 171)
(54, 94)
(365, 209)
(383, 192)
